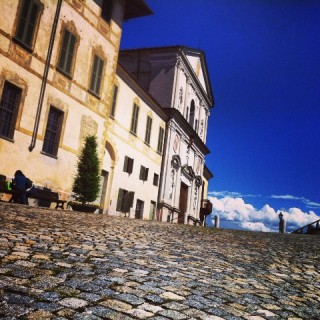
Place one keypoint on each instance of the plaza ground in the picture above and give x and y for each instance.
(59, 264)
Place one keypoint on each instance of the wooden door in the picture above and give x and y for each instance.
(139, 209)
(183, 202)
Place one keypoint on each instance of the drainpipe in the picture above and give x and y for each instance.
(45, 76)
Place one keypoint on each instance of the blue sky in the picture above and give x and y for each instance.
(263, 58)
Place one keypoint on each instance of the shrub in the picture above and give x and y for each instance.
(86, 184)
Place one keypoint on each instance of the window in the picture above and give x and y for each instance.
(53, 132)
(106, 8)
(144, 173)
(155, 179)
(148, 130)
(134, 119)
(196, 126)
(160, 140)
(96, 75)
(128, 164)
(27, 21)
(125, 200)
(114, 101)
(9, 107)
(67, 52)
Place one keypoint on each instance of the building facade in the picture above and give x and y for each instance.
(177, 78)
(60, 81)
(134, 148)
(58, 61)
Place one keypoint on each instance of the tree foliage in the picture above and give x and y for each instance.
(86, 184)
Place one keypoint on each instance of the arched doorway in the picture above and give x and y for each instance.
(106, 177)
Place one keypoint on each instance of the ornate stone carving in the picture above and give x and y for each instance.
(201, 128)
(172, 182)
(176, 162)
(180, 98)
(195, 199)
(176, 143)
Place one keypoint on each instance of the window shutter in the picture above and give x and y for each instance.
(119, 201)
(63, 52)
(72, 41)
(146, 172)
(130, 169)
(125, 164)
(27, 22)
(114, 101)
(129, 201)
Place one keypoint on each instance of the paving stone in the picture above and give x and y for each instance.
(73, 303)
(130, 298)
(172, 314)
(62, 265)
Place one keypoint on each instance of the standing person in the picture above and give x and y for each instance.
(19, 184)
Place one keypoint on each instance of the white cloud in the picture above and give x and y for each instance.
(224, 194)
(287, 197)
(311, 204)
(265, 219)
(255, 226)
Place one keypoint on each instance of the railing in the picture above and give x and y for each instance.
(312, 228)
(194, 220)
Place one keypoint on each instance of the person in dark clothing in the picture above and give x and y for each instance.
(19, 185)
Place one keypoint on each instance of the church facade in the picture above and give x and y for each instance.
(60, 81)
(177, 78)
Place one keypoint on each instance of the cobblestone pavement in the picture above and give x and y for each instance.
(69, 265)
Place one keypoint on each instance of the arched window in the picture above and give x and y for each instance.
(192, 110)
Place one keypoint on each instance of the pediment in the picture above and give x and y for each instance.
(197, 62)
(188, 171)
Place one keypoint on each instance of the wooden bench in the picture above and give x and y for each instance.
(46, 195)
(36, 193)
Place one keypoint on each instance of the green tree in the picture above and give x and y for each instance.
(86, 184)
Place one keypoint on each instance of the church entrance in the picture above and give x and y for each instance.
(183, 201)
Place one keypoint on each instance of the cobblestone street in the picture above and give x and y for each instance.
(70, 265)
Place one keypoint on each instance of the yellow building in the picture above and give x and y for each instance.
(60, 81)
(58, 61)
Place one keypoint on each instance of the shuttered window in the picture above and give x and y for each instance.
(144, 173)
(128, 164)
(125, 200)
(114, 101)
(160, 140)
(134, 119)
(27, 21)
(67, 52)
(155, 179)
(96, 75)
(53, 132)
(9, 106)
(148, 130)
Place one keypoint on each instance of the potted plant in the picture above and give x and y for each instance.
(86, 184)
